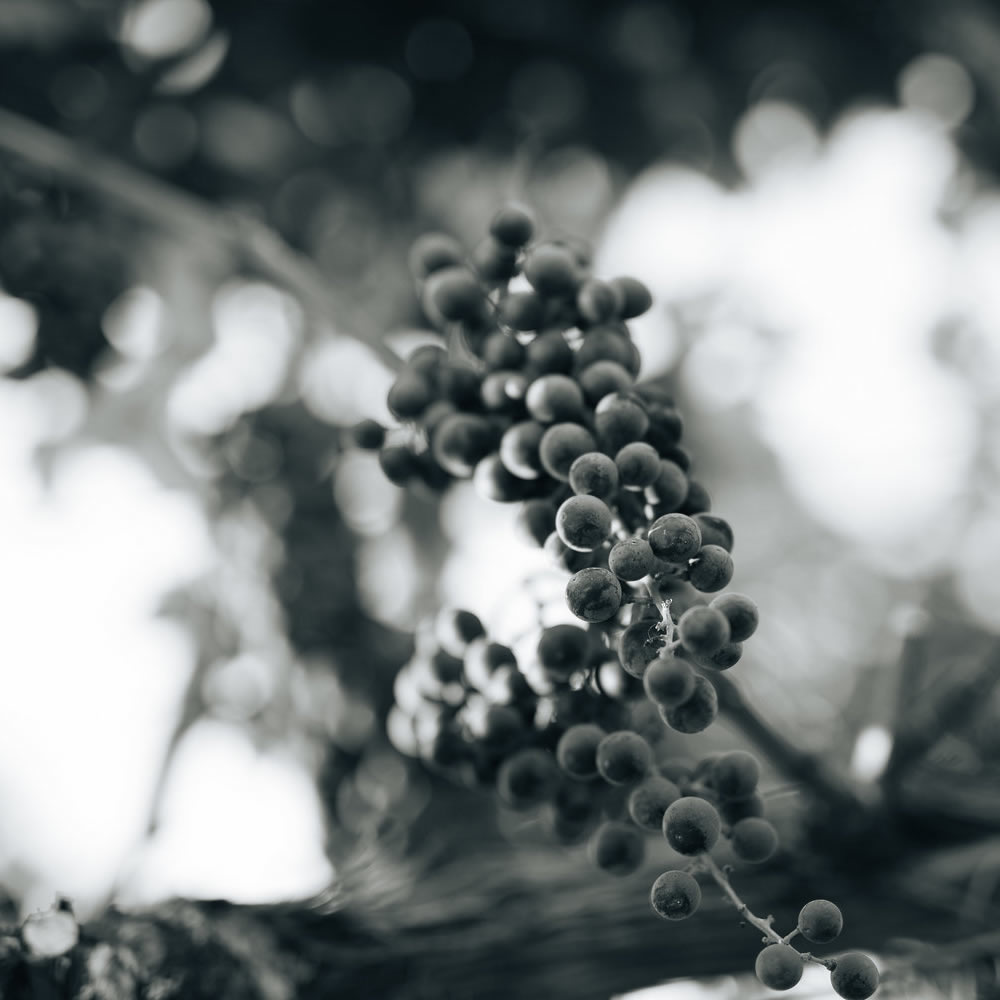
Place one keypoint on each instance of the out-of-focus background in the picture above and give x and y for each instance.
(205, 213)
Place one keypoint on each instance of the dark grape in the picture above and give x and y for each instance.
(597, 301)
(519, 449)
(650, 799)
(675, 895)
(409, 395)
(576, 751)
(631, 558)
(623, 757)
(483, 658)
(595, 474)
(741, 613)
(562, 650)
(736, 809)
(399, 463)
(711, 569)
(619, 420)
(462, 385)
(554, 398)
(617, 848)
(702, 630)
(638, 646)
(635, 296)
(522, 311)
(698, 712)
(691, 825)
(669, 681)
(638, 465)
(446, 667)
(606, 343)
(535, 520)
(513, 225)
(503, 392)
(735, 774)
(566, 558)
(854, 977)
(497, 728)
(368, 435)
(697, 500)
(432, 252)
(527, 778)
(715, 531)
(725, 657)
(594, 594)
(494, 262)
(494, 481)
(461, 441)
(820, 921)
(669, 488)
(779, 967)
(502, 351)
(602, 377)
(754, 839)
(455, 294)
(455, 628)
(549, 353)
(561, 445)
(552, 270)
(583, 522)
(674, 538)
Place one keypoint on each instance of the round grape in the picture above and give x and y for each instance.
(554, 398)
(594, 474)
(741, 612)
(674, 538)
(698, 712)
(494, 262)
(669, 488)
(432, 252)
(715, 531)
(607, 343)
(597, 301)
(562, 556)
(617, 848)
(635, 296)
(697, 500)
(503, 392)
(527, 778)
(500, 351)
(561, 445)
(638, 646)
(552, 270)
(594, 594)
(711, 569)
(638, 465)
(619, 420)
(754, 839)
(368, 435)
(603, 377)
(583, 522)
(631, 558)
(455, 294)
(398, 463)
(513, 225)
(563, 649)
(702, 630)
(669, 681)
(691, 825)
(724, 658)
(519, 449)
(494, 481)
(735, 774)
(779, 967)
(522, 311)
(820, 921)
(409, 395)
(548, 353)
(535, 520)
(854, 977)
(623, 757)
(576, 750)
(461, 441)
(483, 658)
(675, 895)
(650, 799)
(736, 809)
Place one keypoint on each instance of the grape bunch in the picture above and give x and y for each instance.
(532, 392)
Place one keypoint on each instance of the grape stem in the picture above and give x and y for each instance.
(763, 924)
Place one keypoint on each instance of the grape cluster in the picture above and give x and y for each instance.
(533, 394)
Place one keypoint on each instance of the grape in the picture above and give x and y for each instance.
(702, 630)
(521, 310)
(619, 420)
(497, 728)
(613, 681)
(724, 658)
(432, 252)
(448, 748)
(711, 569)
(368, 435)
(583, 522)
(552, 270)
(715, 531)
(665, 426)
(631, 558)
(564, 557)
(553, 398)
(574, 812)
(623, 757)
(691, 825)
(519, 449)
(682, 457)
(635, 296)
(741, 612)
(446, 667)
(617, 848)
(503, 392)
(461, 441)
(527, 778)
(669, 681)
(638, 465)
(650, 799)
(638, 646)
(674, 538)
(754, 839)
(563, 649)
(494, 481)
(698, 712)
(736, 809)
(501, 350)
(549, 353)
(409, 395)
(535, 520)
(561, 445)
(495, 262)
(508, 686)
(576, 751)
(602, 377)
(735, 774)
(594, 594)
(513, 225)
(606, 343)
(697, 500)
(432, 417)
(854, 977)
(595, 474)
(669, 488)
(597, 301)
(461, 384)
(455, 294)
(398, 463)
(820, 921)
(675, 895)
(483, 658)
(779, 966)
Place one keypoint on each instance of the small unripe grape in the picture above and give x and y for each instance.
(669, 681)
(563, 649)
(553, 398)
(754, 839)
(564, 557)
(549, 353)
(703, 630)
(674, 538)
(519, 449)
(617, 848)
(461, 441)
(535, 520)
(576, 751)
(650, 799)
(583, 522)
(631, 558)
(594, 474)
(521, 310)
(494, 262)
(736, 809)
(715, 531)
(638, 646)
(513, 225)
(698, 712)
(691, 825)
(552, 270)
(779, 967)
(697, 500)
(594, 594)
(820, 921)
(501, 350)
(638, 465)
(854, 977)
(368, 435)
(711, 569)
(623, 757)
(597, 301)
(602, 377)
(635, 296)
(561, 445)
(455, 294)
(675, 895)
(527, 778)
(432, 252)
(735, 774)
(669, 488)
(619, 420)
(741, 612)
(606, 343)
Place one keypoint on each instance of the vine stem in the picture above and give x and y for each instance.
(763, 924)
